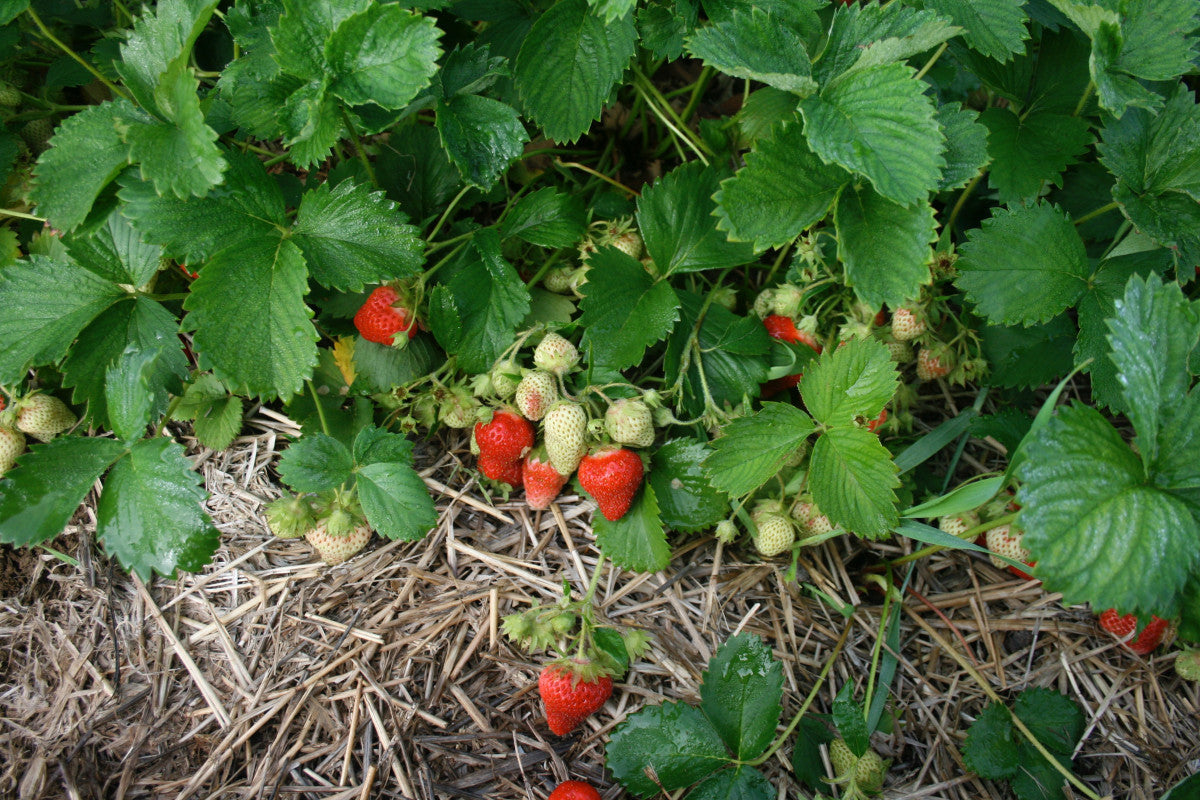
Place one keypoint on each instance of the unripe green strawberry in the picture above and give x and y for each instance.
(37, 133)
(934, 361)
(908, 322)
(901, 352)
(775, 533)
(869, 772)
(786, 300)
(536, 392)
(1187, 664)
(505, 377)
(459, 409)
(336, 548)
(555, 354)
(842, 758)
(1005, 540)
(726, 531)
(565, 429)
(290, 517)
(43, 416)
(10, 96)
(764, 303)
(959, 524)
(725, 297)
(630, 422)
(558, 280)
(12, 444)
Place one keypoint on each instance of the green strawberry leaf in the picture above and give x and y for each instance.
(731, 351)
(741, 693)
(381, 368)
(315, 463)
(159, 46)
(215, 413)
(395, 499)
(850, 720)
(995, 28)
(1153, 332)
(637, 541)
(1031, 150)
(247, 208)
(86, 153)
(687, 499)
(46, 303)
(873, 34)
(467, 69)
(351, 236)
(149, 516)
(674, 740)
(481, 135)
(1051, 717)
(1025, 265)
(757, 46)
(675, 219)
(475, 315)
(416, 172)
(854, 380)
(134, 393)
(990, 750)
(662, 26)
(40, 495)
(1189, 623)
(612, 9)
(301, 34)
(853, 479)
(1150, 40)
(625, 310)
(1029, 357)
(879, 122)
(1037, 778)
(739, 783)
(116, 252)
(783, 189)
(252, 328)
(1176, 469)
(312, 122)
(884, 246)
(547, 217)
(1089, 512)
(11, 9)
(753, 449)
(382, 55)
(139, 323)
(568, 65)
(807, 764)
(966, 146)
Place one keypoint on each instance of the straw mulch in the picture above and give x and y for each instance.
(272, 676)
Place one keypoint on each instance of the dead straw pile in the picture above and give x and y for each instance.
(272, 676)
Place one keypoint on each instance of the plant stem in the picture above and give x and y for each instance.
(812, 695)
(446, 214)
(594, 582)
(697, 92)
(995, 698)
(358, 147)
(1099, 212)
(1087, 94)
(667, 116)
(600, 175)
(932, 60)
(171, 409)
(320, 409)
(112, 87)
(962, 199)
(20, 215)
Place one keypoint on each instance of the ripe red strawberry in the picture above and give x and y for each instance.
(565, 429)
(569, 699)
(933, 362)
(874, 424)
(907, 323)
(380, 319)
(335, 549)
(12, 444)
(43, 416)
(574, 790)
(506, 437)
(784, 329)
(1005, 540)
(1122, 626)
(611, 475)
(541, 480)
(500, 470)
(536, 392)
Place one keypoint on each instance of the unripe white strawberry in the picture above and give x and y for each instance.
(12, 444)
(811, 520)
(901, 352)
(505, 377)
(555, 354)
(725, 297)
(460, 409)
(43, 416)
(726, 531)
(630, 422)
(334, 549)
(565, 429)
(1005, 540)
(786, 300)
(629, 243)
(558, 280)
(775, 533)
(934, 361)
(764, 304)
(959, 524)
(907, 323)
(536, 392)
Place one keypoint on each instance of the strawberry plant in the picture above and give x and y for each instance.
(720, 264)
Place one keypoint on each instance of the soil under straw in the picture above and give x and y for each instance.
(271, 675)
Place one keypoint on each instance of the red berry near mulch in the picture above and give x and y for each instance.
(1122, 626)
(569, 699)
(574, 790)
(502, 443)
(541, 480)
(611, 475)
(1005, 540)
(380, 319)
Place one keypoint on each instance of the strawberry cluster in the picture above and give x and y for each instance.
(39, 415)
